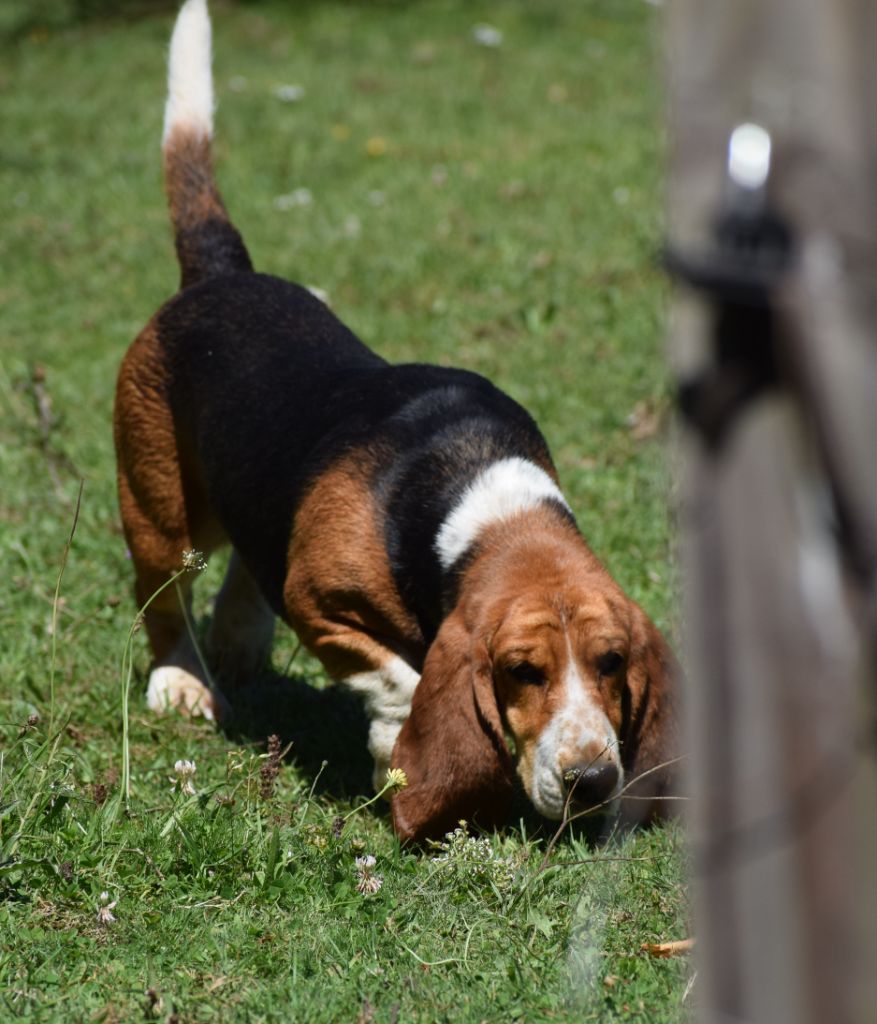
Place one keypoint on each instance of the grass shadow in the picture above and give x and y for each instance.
(328, 729)
(525, 819)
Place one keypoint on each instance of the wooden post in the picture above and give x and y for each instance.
(779, 513)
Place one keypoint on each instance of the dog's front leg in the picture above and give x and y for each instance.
(341, 599)
(387, 692)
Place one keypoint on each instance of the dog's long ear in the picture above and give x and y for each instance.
(650, 730)
(451, 747)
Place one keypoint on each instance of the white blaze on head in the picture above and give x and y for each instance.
(504, 489)
(578, 734)
(189, 79)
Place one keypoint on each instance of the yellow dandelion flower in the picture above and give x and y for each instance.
(396, 779)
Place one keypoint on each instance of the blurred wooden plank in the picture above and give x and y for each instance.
(782, 641)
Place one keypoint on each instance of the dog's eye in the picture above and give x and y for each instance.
(524, 672)
(609, 664)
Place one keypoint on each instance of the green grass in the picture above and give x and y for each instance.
(508, 222)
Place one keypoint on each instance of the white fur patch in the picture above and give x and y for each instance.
(502, 490)
(173, 687)
(387, 694)
(189, 78)
(387, 691)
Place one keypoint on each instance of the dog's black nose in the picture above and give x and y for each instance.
(591, 784)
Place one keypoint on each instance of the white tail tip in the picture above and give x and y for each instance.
(189, 78)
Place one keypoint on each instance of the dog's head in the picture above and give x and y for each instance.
(545, 654)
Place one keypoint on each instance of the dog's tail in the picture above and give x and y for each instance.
(207, 242)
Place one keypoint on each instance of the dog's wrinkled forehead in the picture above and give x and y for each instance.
(558, 626)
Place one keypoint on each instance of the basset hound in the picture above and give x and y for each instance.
(406, 521)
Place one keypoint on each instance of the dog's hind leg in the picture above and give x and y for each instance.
(164, 514)
(241, 633)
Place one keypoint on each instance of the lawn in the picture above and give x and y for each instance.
(490, 206)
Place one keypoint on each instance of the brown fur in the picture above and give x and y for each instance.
(164, 508)
(451, 746)
(651, 732)
(345, 608)
(195, 203)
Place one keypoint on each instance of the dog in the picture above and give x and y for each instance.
(405, 520)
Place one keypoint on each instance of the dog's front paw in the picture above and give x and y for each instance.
(173, 687)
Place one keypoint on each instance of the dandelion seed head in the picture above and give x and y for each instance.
(193, 559)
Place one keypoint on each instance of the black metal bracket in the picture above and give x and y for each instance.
(750, 252)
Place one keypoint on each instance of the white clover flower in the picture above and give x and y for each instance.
(184, 771)
(352, 226)
(290, 200)
(368, 885)
(105, 913)
(289, 93)
(475, 860)
(367, 882)
(487, 35)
